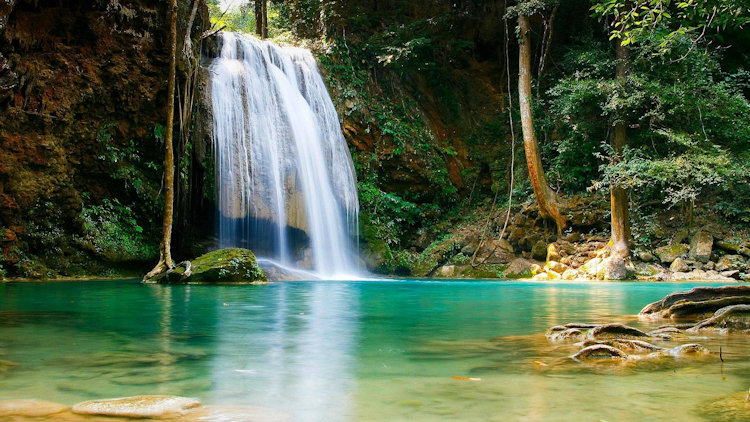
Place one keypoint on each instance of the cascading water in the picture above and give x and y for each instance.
(284, 177)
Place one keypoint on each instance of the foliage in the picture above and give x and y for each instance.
(114, 232)
(663, 23)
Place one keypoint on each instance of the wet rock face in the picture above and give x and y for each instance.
(78, 80)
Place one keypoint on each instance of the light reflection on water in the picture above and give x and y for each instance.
(345, 351)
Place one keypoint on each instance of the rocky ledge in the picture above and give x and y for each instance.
(702, 311)
(223, 266)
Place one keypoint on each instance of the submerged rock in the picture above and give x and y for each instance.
(138, 406)
(600, 351)
(734, 407)
(231, 266)
(735, 317)
(629, 346)
(615, 330)
(564, 334)
(30, 408)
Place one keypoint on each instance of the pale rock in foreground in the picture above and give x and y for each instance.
(138, 406)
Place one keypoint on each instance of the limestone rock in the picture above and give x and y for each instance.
(518, 268)
(730, 262)
(234, 266)
(679, 266)
(30, 408)
(137, 407)
(701, 246)
(539, 251)
(447, 271)
(553, 275)
(626, 345)
(600, 351)
(570, 274)
(236, 414)
(735, 317)
(614, 268)
(552, 253)
(555, 266)
(615, 330)
(667, 254)
(696, 302)
(561, 334)
(591, 266)
(645, 256)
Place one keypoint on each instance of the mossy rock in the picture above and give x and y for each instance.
(223, 266)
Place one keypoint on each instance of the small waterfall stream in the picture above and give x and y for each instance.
(284, 178)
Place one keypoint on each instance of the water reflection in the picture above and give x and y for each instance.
(301, 358)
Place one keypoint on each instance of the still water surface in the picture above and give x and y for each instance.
(352, 351)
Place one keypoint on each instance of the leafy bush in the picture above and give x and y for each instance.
(113, 231)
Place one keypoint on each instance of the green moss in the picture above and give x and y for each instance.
(223, 266)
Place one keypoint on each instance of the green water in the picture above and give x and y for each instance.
(351, 351)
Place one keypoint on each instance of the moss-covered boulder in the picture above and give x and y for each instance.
(223, 266)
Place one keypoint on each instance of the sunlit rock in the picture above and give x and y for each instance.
(615, 330)
(30, 408)
(137, 406)
(734, 317)
(599, 351)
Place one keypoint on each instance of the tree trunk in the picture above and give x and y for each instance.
(549, 204)
(165, 248)
(618, 195)
(261, 18)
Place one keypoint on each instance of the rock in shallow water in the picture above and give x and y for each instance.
(230, 266)
(600, 351)
(30, 408)
(619, 331)
(137, 407)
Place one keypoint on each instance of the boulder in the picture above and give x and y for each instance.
(561, 334)
(600, 351)
(667, 254)
(570, 274)
(735, 317)
(539, 251)
(645, 256)
(615, 330)
(552, 253)
(701, 246)
(679, 266)
(29, 408)
(626, 345)
(553, 275)
(728, 246)
(223, 266)
(591, 267)
(614, 268)
(730, 262)
(446, 271)
(518, 268)
(555, 266)
(696, 302)
(137, 407)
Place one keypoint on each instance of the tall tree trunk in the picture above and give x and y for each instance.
(165, 248)
(549, 204)
(261, 18)
(618, 195)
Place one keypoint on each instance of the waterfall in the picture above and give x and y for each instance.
(285, 182)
